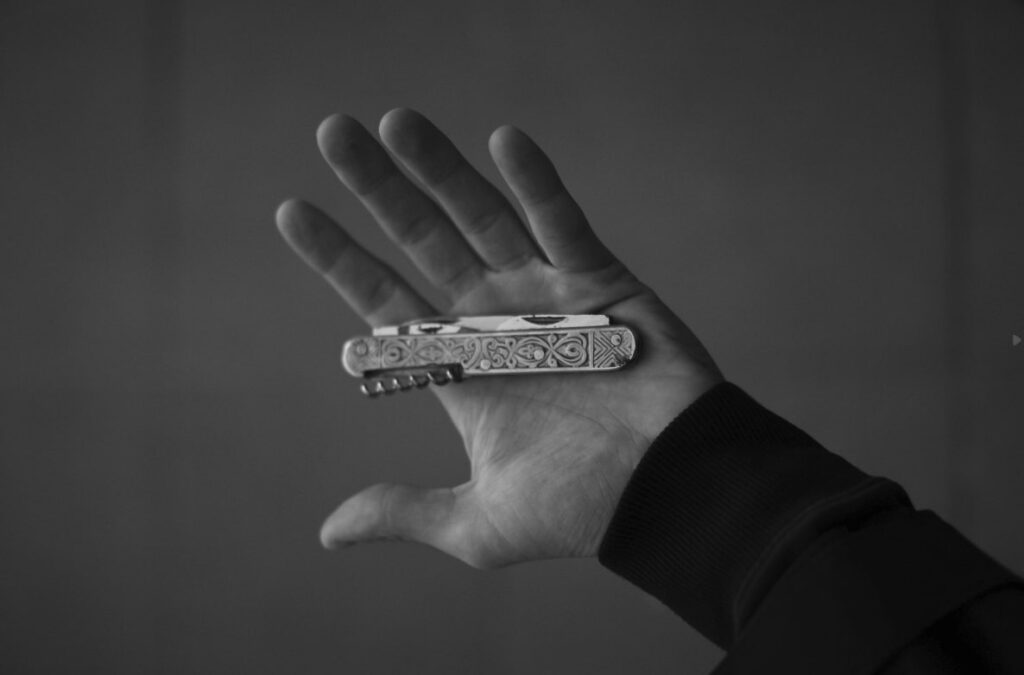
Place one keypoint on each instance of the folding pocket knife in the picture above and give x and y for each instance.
(442, 350)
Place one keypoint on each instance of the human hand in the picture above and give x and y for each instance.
(549, 454)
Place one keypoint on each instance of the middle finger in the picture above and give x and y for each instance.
(477, 208)
(408, 216)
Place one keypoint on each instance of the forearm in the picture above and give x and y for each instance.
(755, 535)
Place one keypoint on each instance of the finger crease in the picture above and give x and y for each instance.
(459, 279)
(417, 230)
(334, 261)
(377, 183)
(380, 293)
(479, 225)
(540, 202)
(449, 173)
(387, 509)
(517, 262)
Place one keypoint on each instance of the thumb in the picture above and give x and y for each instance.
(388, 511)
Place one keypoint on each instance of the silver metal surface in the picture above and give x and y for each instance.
(442, 350)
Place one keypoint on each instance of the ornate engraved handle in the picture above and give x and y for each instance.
(398, 362)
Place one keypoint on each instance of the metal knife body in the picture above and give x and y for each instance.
(442, 350)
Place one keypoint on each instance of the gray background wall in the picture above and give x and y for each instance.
(830, 193)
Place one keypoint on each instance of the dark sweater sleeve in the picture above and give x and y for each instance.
(791, 558)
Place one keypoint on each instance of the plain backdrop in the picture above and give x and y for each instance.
(831, 194)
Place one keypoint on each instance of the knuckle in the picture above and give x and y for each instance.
(379, 291)
(416, 231)
(482, 223)
(366, 186)
(460, 278)
(445, 173)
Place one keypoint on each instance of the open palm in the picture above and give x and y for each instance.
(549, 454)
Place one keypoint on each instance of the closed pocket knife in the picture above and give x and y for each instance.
(442, 350)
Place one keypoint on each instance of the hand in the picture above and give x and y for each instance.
(549, 454)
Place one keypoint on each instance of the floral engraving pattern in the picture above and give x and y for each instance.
(598, 348)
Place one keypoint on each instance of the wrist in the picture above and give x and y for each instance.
(722, 501)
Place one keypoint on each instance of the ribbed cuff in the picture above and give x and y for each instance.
(723, 501)
(855, 600)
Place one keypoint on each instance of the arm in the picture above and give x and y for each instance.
(724, 512)
(795, 561)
